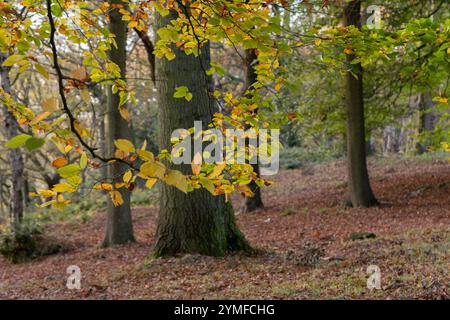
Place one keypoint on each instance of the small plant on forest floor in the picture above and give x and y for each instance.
(26, 242)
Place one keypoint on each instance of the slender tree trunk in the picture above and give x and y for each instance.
(197, 222)
(119, 227)
(255, 202)
(428, 121)
(361, 194)
(16, 158)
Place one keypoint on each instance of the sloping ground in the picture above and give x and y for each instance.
(304, 233)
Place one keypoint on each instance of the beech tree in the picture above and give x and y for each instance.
(360, 191)
(197, 222)
(16, 159)
(250, 77)
(119, 227)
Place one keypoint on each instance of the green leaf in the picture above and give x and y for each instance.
(17, 141)
(34, 143)
(182, 92)
(11, 60)
(69, 171)
(39, 68)
(83, 160)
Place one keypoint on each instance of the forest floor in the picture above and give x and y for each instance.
(304, 236)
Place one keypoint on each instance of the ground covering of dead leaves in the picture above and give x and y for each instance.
(303, 237)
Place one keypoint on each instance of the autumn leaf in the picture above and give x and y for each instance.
(217, 170)
(69, 170)
(50, 105)
(103, 186)
(127, 176)
(124, 145)
(152, 169)
(116, 198)
(196, 164)
(150, 182)
(177, 179)
(60, 162)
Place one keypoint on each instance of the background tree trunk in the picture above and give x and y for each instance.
(197, 222)
(255, 202)
(12, 129)
(428, 121)
(360, 192)
(119, 227)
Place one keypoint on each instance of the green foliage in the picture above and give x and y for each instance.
(298, 157)
(26, 242)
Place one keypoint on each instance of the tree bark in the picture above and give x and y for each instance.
(197, 222)
(428, 121)
(12, 129)
(119, 227)
(255, 202)
(360, 192)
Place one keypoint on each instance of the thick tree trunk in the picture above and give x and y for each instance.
(360, 192)
(17, 163)
(197, 222)
(119, 227)
(255, 202)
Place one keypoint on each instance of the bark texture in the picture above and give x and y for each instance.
(197, 222)
(12, 129)
(428, 121)
(119, 227)
(255, 202)
(360, 192)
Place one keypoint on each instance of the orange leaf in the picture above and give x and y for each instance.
(60, 162)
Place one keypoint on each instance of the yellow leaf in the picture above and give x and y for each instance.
(50, 105)
(40, 117)
(124, 145)
(60, 162)
(150, 182)
(145, 155)
(196, 164)
(217, 170)
(152, 169)
(127, 176)
(116, 198)
(278, 87)
(67, 148)
(144, 145)
(63, 187)
(46, 193)
(119, 185)
(177, 179)
(124, 112)
(103, 186)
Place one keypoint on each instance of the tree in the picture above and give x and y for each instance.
(197, 222)
(119, 227)
(16, 159)
(255, 202)
(360, 192)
